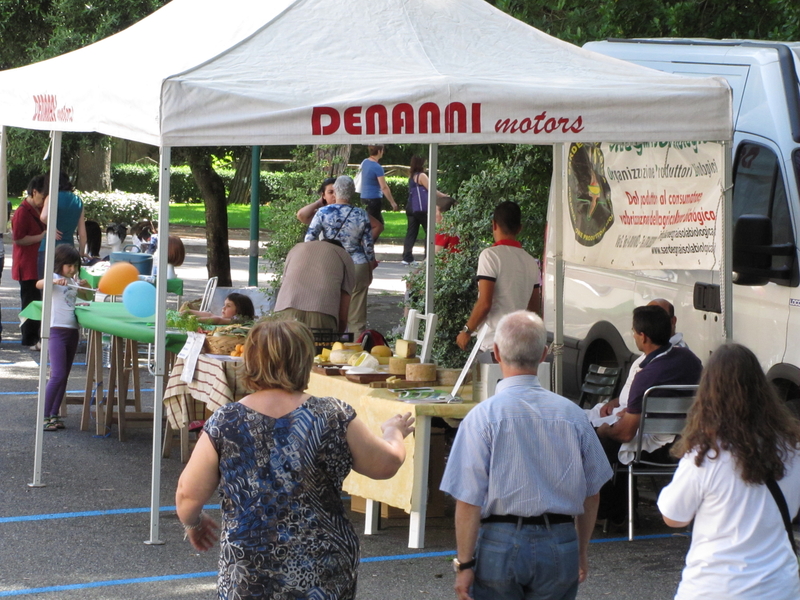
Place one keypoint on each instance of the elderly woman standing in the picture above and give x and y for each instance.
(279, 457)
(739, 440)
(350, 226)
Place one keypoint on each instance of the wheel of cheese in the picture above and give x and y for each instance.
(448, 377)
(421, 372)
(397, 365)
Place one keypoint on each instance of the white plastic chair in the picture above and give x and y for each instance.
(208, 294)
(413, 322)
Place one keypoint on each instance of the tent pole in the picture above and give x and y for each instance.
(255, 177)
(160, 340)
(430, 234)
(559, 168)
(727, 244)
(47, 303)
(3, 179)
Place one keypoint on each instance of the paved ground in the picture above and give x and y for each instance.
(81, 536)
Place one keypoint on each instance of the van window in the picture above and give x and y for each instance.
(759, 189)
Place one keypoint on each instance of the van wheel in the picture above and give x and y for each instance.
(600, 353)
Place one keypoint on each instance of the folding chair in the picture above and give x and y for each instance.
(599, 384)
(661, 415)
(413, 321)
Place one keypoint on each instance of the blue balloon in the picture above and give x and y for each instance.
(139, 299)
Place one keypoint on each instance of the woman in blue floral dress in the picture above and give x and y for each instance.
(351, 227)
(279, 457)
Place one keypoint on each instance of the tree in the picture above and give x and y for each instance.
(35, 30)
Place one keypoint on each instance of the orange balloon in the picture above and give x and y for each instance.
(117, 278)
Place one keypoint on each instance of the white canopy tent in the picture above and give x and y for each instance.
(262, 72)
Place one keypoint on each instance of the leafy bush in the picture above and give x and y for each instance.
(118, 207)
(293, 190)
(143, 179)
(525, 179)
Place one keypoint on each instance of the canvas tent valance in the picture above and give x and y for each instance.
(256, 72)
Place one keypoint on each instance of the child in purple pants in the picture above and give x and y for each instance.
(63, 330)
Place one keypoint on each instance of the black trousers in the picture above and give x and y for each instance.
(415, 219)
(614, 494)
(30, 329)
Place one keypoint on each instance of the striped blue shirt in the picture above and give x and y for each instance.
(525, 451)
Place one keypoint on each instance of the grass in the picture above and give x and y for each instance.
(194, 215)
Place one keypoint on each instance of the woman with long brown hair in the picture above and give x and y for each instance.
(739, 436)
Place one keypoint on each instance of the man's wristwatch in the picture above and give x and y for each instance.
(459, 566)
(466, 329)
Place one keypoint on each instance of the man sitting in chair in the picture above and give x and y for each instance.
(663, 364)
(607, 412)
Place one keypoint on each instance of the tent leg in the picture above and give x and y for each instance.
(47, 303)
(560, 170)
(255, 176)
(433, 167)
(160, 342)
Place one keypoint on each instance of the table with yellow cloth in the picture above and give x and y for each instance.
(215, 383)
(408, 489)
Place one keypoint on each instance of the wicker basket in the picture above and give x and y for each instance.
(222, 344)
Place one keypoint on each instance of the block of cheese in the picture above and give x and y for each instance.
(353, 346)
(397, 365)
(341, 356)
(383, 360)
(421, 372)
(405, 348)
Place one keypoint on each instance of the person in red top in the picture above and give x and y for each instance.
(27, 231)
(443, 241)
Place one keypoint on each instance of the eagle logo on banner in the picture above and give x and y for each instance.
(590, 208)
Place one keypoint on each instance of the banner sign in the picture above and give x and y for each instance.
(655, 205)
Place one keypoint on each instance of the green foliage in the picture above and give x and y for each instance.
(296, 188)
(523, 178)
(143, 179)
(118, 207)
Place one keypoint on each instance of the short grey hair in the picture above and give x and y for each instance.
(344, 188)
(521, 338)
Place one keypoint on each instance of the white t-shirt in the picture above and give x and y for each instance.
(63, 311)
(515, 273)
(739, 544)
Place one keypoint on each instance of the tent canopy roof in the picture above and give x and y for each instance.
(202, 72)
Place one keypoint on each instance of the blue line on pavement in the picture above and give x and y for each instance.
(98, 584)
(140, 580)
(93, 513)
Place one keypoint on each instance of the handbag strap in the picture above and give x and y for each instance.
(776, 492)
(336, 235)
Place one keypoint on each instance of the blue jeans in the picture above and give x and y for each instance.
(530, 563)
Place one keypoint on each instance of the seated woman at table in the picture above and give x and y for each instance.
(63, 329)
(285, 531)
(238, 308)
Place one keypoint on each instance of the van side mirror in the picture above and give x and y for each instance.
(753, 251)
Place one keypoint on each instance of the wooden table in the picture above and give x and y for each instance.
(126, 333)
(408, 489)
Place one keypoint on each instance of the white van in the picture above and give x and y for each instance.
(766, 214)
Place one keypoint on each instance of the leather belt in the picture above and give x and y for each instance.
(551, 519)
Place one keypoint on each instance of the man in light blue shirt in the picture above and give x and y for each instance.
(526, 469)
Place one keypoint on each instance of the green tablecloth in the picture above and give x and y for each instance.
(174, 286)
(112, 318)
